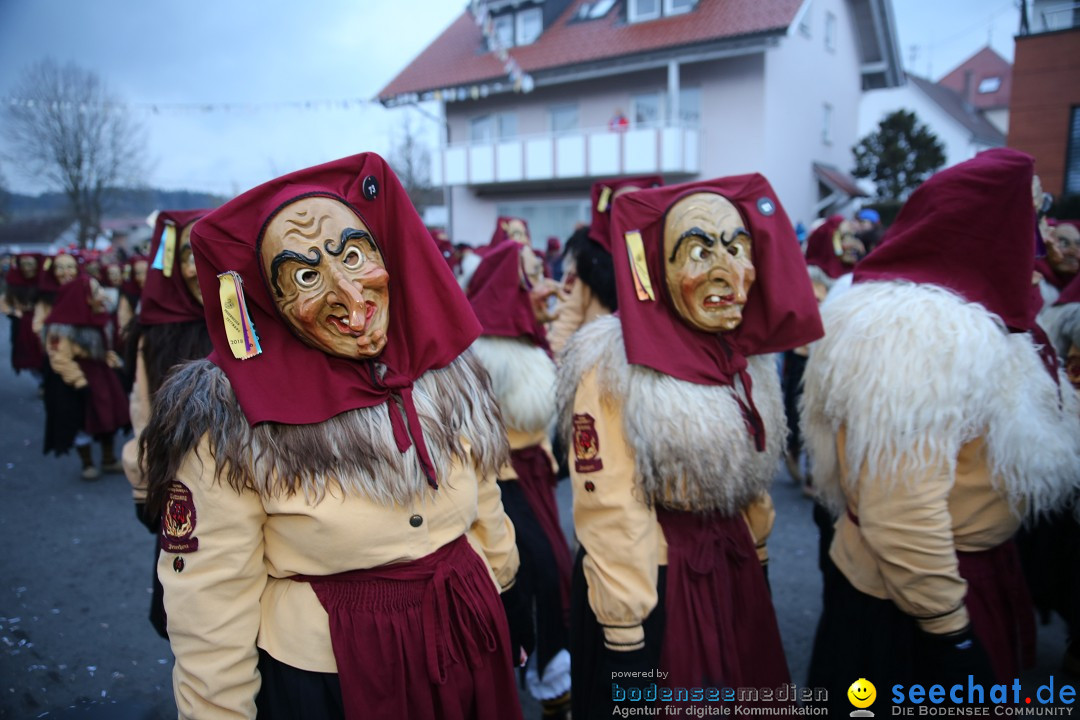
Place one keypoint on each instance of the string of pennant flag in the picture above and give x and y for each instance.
(194, 107)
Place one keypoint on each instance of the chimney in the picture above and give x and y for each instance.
(969, 87)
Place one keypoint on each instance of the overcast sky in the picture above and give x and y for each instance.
(235, 92)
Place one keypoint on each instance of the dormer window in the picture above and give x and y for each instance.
(990, 85)
(530, 23)
(502, 30)
(516, 28)
(642, 10)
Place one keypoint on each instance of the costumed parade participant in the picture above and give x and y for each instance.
(20, 297)
(935, 419)
(170, 329)
(57, 270)
(1062, 260)
(333, 539)
(674, 414)
(832, 249)
(1050, 549)
(135, 270)
(84, 400)
(588, 285)
(514, 350)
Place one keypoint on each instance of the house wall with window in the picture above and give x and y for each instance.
(812, 87)
(957, 141)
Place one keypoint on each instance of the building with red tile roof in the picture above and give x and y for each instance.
(984, 81)
(542, 97)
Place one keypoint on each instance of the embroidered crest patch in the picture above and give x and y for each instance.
(586, 445)
(178, 520)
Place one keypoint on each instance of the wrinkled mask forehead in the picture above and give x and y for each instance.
(708, 265)
(327, 277)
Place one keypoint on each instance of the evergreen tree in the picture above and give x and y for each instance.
(899, 156)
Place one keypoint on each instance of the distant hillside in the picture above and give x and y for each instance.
(124, 202)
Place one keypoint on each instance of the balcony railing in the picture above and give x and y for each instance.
(595, 153)
(1061, 16)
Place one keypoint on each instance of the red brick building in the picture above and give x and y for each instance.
(1044, 118)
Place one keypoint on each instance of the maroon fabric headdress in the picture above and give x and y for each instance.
(820, 251)
(968, 229)
(500, 235)
(602, 197)
(167, 300)
(780, 313)
(15, 278)
(47, 281)
(501, 300)
(72, 305)
(430, 323)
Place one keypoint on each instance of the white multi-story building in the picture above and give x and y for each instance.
(707, 87)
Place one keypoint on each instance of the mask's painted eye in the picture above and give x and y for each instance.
(738, 249)
(306, 277)
(353, 258)
(699, 253)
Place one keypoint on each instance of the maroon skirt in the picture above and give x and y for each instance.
(423, 640)
(1000, 608)
(108, 407)
(26, 352)
(537, 482)
(720, 628)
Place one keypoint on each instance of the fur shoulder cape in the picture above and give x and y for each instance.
(691, 446)
(913, 372)
(522, 378)
(354, 451)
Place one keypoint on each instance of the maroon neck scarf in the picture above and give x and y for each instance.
(820, 251)
(1071, 293)
(72, 305)
(430, 321)
(1050, 274)
(15, 278)
(780, 313)
(500, 298)
(167, 300)
(968, 229)
(603, 198)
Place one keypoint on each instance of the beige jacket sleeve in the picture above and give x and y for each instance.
(139, 409)
(494, 533)
(907, 527)
(62, 354)
(570, 317)
(618, 531)
(212, 594)
(760, 516)
(41, 311)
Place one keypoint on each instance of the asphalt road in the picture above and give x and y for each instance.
(75, 570)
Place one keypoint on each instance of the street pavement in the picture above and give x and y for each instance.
(75, 574)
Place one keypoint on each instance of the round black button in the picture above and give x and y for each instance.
(416, 521)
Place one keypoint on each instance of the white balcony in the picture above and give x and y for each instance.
(593, 153)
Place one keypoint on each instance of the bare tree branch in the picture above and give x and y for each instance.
(65, 127)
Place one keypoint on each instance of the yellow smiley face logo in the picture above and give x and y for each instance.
(862, 693)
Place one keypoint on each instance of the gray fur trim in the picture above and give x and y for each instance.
(523, 379)
(818, 275)
(90, 339)
(1062, 325)
(914, 372)
(692, 449)
(354, 451)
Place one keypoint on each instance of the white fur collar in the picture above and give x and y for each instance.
(523, 379)
(913, 372)
(692, 450)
